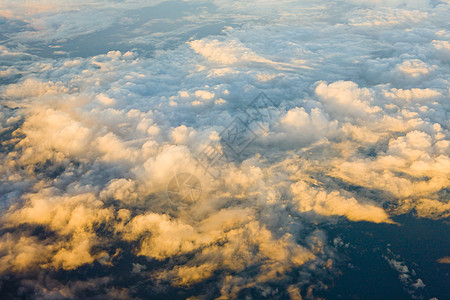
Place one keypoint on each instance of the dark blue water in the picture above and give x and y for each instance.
(419, 243)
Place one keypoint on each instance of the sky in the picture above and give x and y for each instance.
(224, 150)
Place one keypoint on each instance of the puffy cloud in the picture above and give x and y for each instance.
(388, 17)
(414, 286)
(415, 68)
(347, 99)
(232, 53)
(444, 260)
(334, 204)
(72, 218)
(394, 3)
(33, 88)
(429, 208)
(22, 253)
(414, 154)
(443, 49)
(413, 94)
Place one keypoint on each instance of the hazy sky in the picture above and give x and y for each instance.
(289, 122)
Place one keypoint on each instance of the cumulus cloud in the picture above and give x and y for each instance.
(408, 277)
(444, 260)
(415, 68)
(394, 3)
(333, 203)
(232, 53)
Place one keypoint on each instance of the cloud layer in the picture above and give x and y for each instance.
(360, 132)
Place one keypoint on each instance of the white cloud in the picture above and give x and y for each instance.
(444, 260)
(334, 204)
(407, 276)
(394, 3)
(415, 68)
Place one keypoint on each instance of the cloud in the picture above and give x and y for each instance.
(394, 3)
(346, 98)
(415, 68)
(444, 260)
(329, 204)
(231, 53)
(408, 277)
(388, 17)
